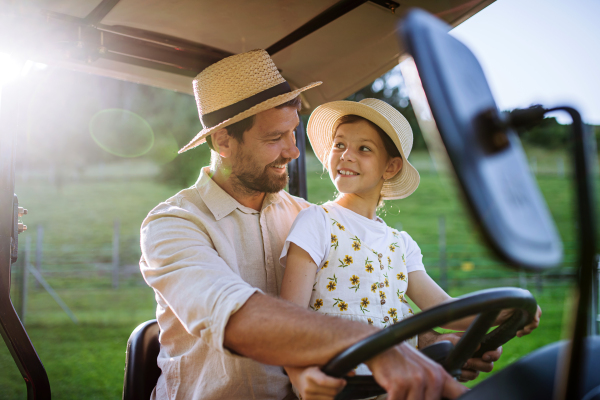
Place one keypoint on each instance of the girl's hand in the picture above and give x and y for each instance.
(313, 384)
(506, 314)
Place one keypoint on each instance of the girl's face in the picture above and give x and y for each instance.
(358, 162)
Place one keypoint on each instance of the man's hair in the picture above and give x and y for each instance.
(237, 129)
(388, 143)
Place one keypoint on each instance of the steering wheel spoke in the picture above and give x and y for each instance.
(469, 342)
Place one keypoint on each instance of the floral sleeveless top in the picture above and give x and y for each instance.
(361, 283)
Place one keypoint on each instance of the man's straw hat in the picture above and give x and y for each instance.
(238, 87)
(321, 130)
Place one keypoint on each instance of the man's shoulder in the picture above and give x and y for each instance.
(184, 204)
(293, 201)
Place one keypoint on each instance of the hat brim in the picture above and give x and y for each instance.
(320, 130)
(265, 105)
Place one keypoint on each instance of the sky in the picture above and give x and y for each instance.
(539, 52)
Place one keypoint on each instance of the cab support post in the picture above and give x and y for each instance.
(13, 332)
(297, 167)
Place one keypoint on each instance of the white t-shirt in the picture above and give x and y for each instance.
(311, 232)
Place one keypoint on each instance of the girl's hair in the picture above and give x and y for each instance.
(390, 147)
(388, 143)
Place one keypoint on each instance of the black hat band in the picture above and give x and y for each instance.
(216, 117)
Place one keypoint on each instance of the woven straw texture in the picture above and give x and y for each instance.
(321, 127)
(234, 79)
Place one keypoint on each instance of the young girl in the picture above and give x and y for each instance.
(340, 258)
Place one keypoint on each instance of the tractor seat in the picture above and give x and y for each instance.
(141, 370)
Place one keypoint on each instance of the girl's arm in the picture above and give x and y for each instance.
(296, 287)
(299, 276)
(426, 294)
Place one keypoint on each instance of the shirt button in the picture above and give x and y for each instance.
(383, 302)
(381, 284)
(386, 319)
(381, 266)
(379, 255)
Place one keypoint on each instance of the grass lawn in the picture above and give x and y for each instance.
(87, 360)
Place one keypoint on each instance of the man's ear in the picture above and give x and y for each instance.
(394, 166)
(221, 141)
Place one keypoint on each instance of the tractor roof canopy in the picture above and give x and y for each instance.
(346, 44)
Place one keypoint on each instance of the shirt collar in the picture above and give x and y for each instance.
(220, 203)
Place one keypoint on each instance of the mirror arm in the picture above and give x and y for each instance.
(583, 148)
(583, 151)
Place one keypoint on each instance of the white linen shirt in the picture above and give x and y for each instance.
(205, 254)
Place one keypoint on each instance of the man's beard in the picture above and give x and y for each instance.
(255, 179)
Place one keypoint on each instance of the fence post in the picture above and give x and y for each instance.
(115, 254)
(24, 280)
(560, 167)
(539, 282)
(38, 252)
(442, 246)
(522, 279)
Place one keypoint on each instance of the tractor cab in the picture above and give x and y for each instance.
(166, 45)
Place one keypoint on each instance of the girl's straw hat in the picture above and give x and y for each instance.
(238, 87)
(321, 130)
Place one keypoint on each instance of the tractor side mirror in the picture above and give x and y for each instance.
(454, 105)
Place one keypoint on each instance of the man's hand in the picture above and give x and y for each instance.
(406, 374)
(473, 366)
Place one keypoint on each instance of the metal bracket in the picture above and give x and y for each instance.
(17, 228)
(390, 5)
(14, 238)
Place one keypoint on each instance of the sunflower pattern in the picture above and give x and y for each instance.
(334, 241)
(364, 303)
(339, 226)
(346, 261)
(318, 304)
(355, 243)
(371, 294)
(369, 266)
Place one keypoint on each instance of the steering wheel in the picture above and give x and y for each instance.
(486, 304)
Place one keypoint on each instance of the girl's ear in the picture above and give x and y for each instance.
(394, 166)
(222, 142)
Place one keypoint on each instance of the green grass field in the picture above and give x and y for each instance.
(87, 360)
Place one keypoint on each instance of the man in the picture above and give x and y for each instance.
(211, 254)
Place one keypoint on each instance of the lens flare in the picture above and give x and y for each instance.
(121, 133)
(10, 69)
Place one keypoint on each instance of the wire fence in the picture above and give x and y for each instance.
(115, 264)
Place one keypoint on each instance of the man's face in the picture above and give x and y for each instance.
(259, 163)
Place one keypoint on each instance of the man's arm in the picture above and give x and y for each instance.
(180, 263)
(274, 331)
